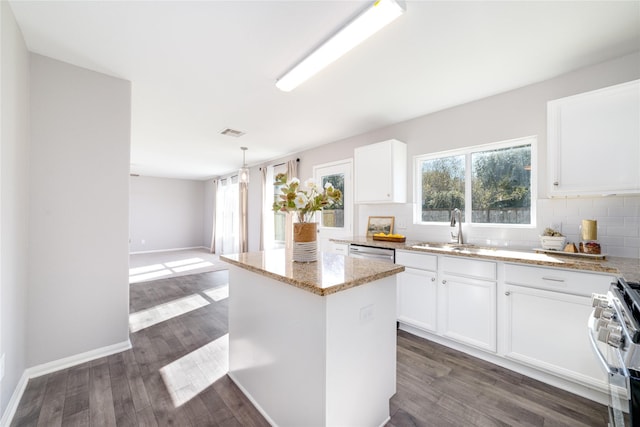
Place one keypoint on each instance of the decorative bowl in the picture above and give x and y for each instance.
(553, 242)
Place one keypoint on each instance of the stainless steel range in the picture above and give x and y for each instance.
(614, 329)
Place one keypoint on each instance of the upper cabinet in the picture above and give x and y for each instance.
(381, 172)
(594, 142)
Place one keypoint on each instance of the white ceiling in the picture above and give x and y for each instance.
(199, 67)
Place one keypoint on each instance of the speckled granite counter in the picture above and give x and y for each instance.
(629, 268)
(330, 274)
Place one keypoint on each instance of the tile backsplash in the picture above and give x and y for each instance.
(618, 224)
(618, 221)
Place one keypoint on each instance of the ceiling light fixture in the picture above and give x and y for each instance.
(373, 19)
(243, 173)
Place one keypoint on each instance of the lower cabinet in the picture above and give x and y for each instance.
(467, 307)
(532, 317)
(468, 311)
(338, 248)
(545, 326)
(417, 298)
(418, 290)
(451, 296)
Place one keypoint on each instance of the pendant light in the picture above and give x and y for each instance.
(243, 173)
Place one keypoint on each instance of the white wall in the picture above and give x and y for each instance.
(14, 198)
(166, 213)
(78, 243)
(514, 114)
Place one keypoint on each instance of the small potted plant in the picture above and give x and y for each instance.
(552, 239)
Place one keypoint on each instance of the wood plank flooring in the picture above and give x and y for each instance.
(436, 387)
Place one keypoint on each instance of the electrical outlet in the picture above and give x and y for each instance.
(142, 241)
(366, 314)
(401, 224)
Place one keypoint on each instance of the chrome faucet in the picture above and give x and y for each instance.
(456, 237)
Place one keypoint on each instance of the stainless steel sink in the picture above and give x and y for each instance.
(493, 252)
(446, 246)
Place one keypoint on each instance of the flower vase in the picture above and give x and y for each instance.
(305, 241)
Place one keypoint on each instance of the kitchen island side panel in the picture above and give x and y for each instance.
(277, 347)
(361, 354)
(306, 359)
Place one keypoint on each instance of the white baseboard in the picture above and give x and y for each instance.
(168, 250)
(12, 407)
(56, 365)
(251, 399)
(77, 359)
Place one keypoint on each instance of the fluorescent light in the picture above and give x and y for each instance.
(373, 19)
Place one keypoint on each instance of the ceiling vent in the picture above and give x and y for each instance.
(232, 132)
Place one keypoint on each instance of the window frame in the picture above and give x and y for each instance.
(467, 152)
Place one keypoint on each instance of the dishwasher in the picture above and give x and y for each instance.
(372, 252)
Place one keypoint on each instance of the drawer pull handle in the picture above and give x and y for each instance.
(433, 279)
(507, 293)
(444, 282)
(553, 279)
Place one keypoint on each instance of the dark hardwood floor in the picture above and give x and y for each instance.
(166, 378)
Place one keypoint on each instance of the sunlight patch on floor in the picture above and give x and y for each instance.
(172, 264)
(188, 376)
(219, 293)
(156, 271)
(159, 313)
(145, 269)
(192, 266)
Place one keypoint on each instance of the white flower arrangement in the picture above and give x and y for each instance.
(304, 200)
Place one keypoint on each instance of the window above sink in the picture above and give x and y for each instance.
(498, 181)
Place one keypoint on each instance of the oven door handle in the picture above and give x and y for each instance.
(611, 370)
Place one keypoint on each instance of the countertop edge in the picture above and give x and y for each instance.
(307, 286)
(628, 268)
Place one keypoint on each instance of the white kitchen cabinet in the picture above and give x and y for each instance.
(467, 305)
(418, 290)
(545, 324)
(418, 298)
(381, 172)
(594, 142)
(338, 248)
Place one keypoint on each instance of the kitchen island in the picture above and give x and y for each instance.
(313, 344)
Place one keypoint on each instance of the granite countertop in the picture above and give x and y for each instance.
(330, 274)
(628, 268)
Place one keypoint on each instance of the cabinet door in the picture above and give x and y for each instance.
(468, 311)
(417, 298)
(381, 172)
(548, 330)
(338, 248)
(594, 144)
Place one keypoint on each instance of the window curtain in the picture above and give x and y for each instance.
(228, 216)
(216, 182)
(292, 172)
(243, 201)
(264, 216)
(292, 169)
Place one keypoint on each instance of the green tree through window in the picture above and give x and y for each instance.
(500, 177)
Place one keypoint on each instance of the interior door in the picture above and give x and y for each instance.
(335, 221)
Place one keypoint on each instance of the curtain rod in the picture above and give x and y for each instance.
(280, 164)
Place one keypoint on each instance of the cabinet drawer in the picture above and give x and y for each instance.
(574, 282)
(467, 267)
(417, 260)
(340, 248)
